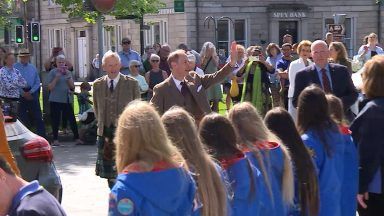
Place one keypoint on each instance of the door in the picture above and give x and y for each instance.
(82, 54)
(288, 27)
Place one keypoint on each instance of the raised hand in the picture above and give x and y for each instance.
(233, 53)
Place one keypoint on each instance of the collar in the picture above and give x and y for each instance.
(319, 68)
(229, 161)
(129, 51)
(177, 83)
(344, 130)
(115, 81)
(157, 166)
(28, 189)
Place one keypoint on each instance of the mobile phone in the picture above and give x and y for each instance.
(253, 58)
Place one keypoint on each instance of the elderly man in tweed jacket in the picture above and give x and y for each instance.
(111, 93)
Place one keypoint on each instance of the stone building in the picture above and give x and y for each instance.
(253, 22)
(264, 21)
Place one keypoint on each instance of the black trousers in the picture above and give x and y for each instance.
(57, 109)
(375, 205)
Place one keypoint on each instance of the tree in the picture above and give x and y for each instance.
(6, 7)
(77, 8)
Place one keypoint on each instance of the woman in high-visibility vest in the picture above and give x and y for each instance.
(5, 151)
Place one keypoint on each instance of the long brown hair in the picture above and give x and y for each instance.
(183, 133)
(336, 110)
(313, 113)
(250, 128)
(279, 121)
(341, 51)
(141, 137)
(218, 133)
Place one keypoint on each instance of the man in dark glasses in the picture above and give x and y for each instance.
(127, 55)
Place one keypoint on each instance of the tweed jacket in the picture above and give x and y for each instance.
(166, 94)
(128, 91)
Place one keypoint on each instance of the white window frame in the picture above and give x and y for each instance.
(231, 33)
(107, 42)
(149, 35)
(52, 36)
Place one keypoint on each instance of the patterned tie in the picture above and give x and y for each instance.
(184, 88)
(111, 86)
(326, 84)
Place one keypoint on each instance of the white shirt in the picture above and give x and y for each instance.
(115, 81)
(295, 67)
(177, 83)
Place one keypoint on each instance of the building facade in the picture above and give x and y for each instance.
(263, 21)
(249, 22)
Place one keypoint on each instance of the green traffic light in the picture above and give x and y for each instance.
(18, 40)
(35, 38)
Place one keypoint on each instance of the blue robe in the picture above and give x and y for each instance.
(166, 192)
(329, 168)
(349, 186)
(274, 164)
(242, 175)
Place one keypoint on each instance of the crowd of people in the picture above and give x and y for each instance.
(289, 144)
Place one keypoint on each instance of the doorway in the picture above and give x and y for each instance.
(82, 55)
(288, 27)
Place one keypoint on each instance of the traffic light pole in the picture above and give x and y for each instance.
(26, 43)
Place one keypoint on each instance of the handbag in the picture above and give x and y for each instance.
(234, 90)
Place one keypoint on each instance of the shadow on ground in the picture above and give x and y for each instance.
(70, 158)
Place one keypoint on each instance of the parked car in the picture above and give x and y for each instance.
(34, 157)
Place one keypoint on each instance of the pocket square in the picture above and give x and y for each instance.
(199, 88)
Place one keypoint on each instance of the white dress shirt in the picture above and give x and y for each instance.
(115, 81)
(177, 83)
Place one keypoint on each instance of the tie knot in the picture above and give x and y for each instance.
(111, 81)
(323, 70)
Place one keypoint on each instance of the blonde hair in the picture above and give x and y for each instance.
(250, 128)
(141, 137)
(373, 77)
(182, 131)
(303, 43)
(204, 49)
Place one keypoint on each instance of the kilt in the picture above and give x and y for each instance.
(105, 162)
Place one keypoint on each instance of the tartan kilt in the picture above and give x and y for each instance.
(105, 163)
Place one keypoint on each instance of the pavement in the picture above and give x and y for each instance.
(84, 193)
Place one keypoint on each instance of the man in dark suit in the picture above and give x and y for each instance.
(185, 88)
(332, 78)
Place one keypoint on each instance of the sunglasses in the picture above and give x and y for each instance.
(154, 60)
(126, 42)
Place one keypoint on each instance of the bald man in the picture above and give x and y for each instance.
(332, 78)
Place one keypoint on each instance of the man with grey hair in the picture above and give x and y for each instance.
(192, 64)
(332, 78)
(111, 93)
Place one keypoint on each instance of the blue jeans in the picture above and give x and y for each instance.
(29, 111)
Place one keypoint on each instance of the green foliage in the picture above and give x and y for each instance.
(5, 11)
(75, 8)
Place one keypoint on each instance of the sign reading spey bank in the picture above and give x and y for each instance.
(289, 14)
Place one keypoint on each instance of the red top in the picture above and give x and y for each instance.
(344, 130)
(158, 166)
(227, 162)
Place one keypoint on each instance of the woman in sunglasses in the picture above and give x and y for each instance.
(156, 75)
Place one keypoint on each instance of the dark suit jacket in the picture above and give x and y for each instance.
(166, 94)
(342, 85)
(367, 132)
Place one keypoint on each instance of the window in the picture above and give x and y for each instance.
(158, 33)
(225, 33)
(111, 36)
(56, 38)
(349, 38)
